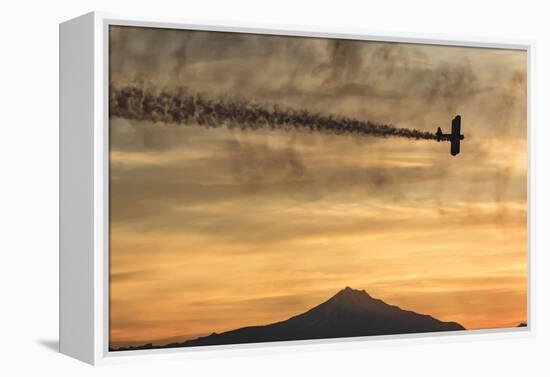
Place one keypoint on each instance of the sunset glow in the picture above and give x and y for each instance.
(212, 229)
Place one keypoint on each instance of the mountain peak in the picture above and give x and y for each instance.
(350, 293)
(348, 313)
(349, 290)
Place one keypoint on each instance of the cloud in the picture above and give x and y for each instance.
(418, 86)
(213, 229)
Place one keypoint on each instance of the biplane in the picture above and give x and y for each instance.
(454, 137)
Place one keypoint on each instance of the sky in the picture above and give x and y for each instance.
(212, 229)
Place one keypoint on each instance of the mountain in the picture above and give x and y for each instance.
(349, 313)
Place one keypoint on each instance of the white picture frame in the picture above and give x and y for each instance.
(84, 199)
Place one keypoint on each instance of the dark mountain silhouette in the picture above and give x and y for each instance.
(523, 324)
(349, 313)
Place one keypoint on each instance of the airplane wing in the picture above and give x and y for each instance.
(455, 147)
(455, 136)
(455, 129)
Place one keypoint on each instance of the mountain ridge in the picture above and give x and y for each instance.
(348, 313)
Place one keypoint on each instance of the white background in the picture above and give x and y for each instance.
(29, 185)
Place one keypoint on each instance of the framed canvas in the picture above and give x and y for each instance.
(252, 188)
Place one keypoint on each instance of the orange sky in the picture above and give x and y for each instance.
(214, 229)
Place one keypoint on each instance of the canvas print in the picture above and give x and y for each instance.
(268, 188)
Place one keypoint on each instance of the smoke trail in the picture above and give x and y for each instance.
(179, 107)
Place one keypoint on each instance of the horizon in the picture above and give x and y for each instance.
(160, 343)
